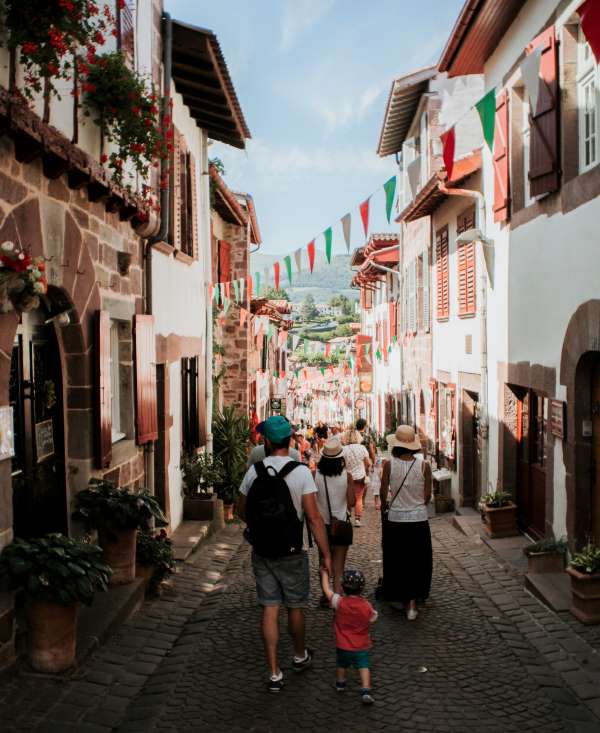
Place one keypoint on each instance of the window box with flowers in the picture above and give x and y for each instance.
(22, 279)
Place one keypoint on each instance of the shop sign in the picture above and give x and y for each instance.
(366, 383)
(557, 418)
(275, 406)
(7, 436)
(44, 439)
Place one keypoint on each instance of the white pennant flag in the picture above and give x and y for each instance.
(242, 287)
(298, 258)
(413, 172)
(530, 71)
(295, 342)
(346, 224)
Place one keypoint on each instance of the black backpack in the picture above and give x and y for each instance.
(274, 529)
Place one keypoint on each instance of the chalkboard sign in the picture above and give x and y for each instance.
(44, 439)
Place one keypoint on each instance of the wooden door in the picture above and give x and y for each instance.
(532, 419)
(38, 478)
(596, 451)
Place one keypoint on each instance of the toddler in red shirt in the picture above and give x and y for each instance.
(353, 616)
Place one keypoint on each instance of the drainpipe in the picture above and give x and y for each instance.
(167, 29)
(483, 288)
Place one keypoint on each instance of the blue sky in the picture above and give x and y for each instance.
(313, 77)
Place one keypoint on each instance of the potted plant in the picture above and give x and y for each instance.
(154, 558)
(546, 556)
(55, 574)
(117, 514)
(499, 514)
(200, 473)
(231, 433)
(584, 570)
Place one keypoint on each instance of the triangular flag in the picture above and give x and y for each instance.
(257, 283)
(322, 370)
(226, 304)
(448, 139)
(310, 247)
(530, 71)
(327, 349)
(364, 215)
(288, 267)
(413, 171)
(298, 258)
(276, 272)
(228, 290)
(211, 290)
(328, 234)
(249, 283)
(242, 283)
(589, 13)
(295, 342)
(486, 107)
(243, 316)
(390, 191)
(236, 291)
(346, 227)
(217, 293)
(378, 354)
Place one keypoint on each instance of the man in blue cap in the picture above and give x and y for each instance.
(259, 452)
(284, 580)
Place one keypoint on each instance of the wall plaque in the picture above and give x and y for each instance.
(7, 436)
(44, 439)
(557, 418)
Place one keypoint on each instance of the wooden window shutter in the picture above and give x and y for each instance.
(467, 267)
(544, 163)
(103, 391)
(184, 191)
(224, 261)
(399, 318)
(426, 309)
(500, 160)
(412, 296)
(145, 379)
(443, 300)
(202, 426)
(193, 204)
(175, 190)
(392, 318)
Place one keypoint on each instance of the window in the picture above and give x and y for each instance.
(189, 404)
(446, 415)
(443, 298)
(467, 267)
(125, 30)
(183, 225)
(587, 103)
(115, 383)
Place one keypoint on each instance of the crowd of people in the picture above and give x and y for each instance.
(323, 476)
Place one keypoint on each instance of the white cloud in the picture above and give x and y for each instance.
(298, 17)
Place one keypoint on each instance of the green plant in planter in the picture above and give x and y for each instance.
(156, 550)
(588, 560)
(201, 472)
(496, 499)
(231, 433)
(549, 545)
(104, 506)
(54, 568)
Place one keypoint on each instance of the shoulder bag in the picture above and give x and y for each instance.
(340, 531)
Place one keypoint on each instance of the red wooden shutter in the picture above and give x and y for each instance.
(392, 310)
(443, 301)
(544, 160)
(500, 160)
(145, 379)
(175, 191)
(202, 427)
(103, 392)
(467, 268)
(224, 261)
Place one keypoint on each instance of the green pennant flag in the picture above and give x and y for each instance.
(236, 291)
(394, 340)
(226, 304)
(323, 371)
(328, 234)
(390, 191)
(305, 345)
(257, 282)
(217, 293)
(378, 354)
(296, 373)
(351, 363)
(367, 348)
(276, 374)
(390, 349)
(487, 114)
(288, 267)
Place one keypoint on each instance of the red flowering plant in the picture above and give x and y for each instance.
(49, 33)
(128, 112)
(22, 278)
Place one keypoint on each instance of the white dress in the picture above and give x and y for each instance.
(409, 505)
(337, 486)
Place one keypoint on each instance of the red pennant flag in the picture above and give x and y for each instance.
(305, 373)
(228, 290)
(327, 349)
(276, 273)
(211, 292)
(311, 254)
(448, 139)
(282, 374)
(364, 215)
(243, 316)
(589, 13)
(249, 287)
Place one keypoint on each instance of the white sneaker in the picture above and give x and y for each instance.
(357, 522)
(412, 614)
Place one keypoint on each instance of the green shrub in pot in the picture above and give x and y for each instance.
(231, 434)
(155, 550)
(587, 560)
(201, 472)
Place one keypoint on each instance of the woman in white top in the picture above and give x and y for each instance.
(358, 464)
(335, 496)
(405, 494)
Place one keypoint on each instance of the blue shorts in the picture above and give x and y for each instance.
(346, 659)
(282, 580)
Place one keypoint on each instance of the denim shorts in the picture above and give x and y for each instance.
(282, 580)
(345, 659)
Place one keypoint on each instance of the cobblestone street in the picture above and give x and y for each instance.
(482, 656)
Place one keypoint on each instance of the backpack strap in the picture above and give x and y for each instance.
(288, 468)
(261, 470)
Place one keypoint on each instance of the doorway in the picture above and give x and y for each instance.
(532, 424)
(36, 396)
(471, 449)
(595, 398)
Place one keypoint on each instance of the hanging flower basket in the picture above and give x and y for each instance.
(22, 279)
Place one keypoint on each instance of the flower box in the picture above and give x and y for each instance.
(500, 521)
(546, 562)
(585, 590)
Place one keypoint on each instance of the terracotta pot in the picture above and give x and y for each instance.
(199, 508)
(228, 512)
(145, 572)
(501, 521)
(546, 562)
(52, 635)
(119, 552)
(585, 590)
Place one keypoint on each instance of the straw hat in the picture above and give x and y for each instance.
(333, 448)
(404, 437)
(351, 436)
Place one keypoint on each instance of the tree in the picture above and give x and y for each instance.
(309, 309)
(276, 294)
(335, 300)
(343, 330)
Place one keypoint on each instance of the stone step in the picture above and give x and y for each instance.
(552, 589)
(470, 525)
(188, 537)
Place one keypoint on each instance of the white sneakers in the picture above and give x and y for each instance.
(412, 614)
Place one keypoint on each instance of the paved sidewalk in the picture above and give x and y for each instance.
(483, 656)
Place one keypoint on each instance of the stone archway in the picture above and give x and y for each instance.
(581, 346)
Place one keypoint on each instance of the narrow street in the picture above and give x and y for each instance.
(482, 656)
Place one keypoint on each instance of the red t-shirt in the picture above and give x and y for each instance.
(353, 615)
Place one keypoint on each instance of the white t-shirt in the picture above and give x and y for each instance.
(299, 481)
(337, 486)
(354, 455)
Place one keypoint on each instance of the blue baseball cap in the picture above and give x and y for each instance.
(275, 428)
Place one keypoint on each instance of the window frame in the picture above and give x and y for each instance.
(117, 433)
(588, 72)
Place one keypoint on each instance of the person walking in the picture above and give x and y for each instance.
(335, 497)
(374, 477)
(276, 495)
(405, 493)
(260, 452)
(358, 464)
